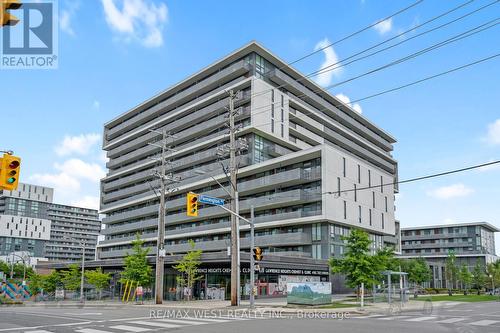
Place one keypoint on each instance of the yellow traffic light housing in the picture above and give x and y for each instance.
(5, 17)
(9, 172)
(257, 254)
(192, 204)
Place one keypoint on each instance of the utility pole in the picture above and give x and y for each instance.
(164, 191)
(82, 279)
(252, 262)
(235, 246)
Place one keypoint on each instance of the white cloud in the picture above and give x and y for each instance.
(493, 135)
(67, 15)
(81, 144)
(60, 182)
(139, 20)
(87, 201)
(451, 191)
(347, 100)
(384, 27)
(81, 170)
(325, 78)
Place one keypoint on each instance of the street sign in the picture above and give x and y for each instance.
(205, 199)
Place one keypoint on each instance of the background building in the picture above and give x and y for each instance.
(72, 228)
(304, 155)
(30, 223)
(470, 242)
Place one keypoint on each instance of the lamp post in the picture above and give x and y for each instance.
(492, 284)
(12, 266)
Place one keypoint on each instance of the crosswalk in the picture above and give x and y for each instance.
(140, 325)
(433, 319)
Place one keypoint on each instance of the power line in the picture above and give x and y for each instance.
(458, 37)
(326, 68)
(399, 87)
(411, 180)
(354, 33)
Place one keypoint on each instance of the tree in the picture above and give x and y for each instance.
(4, 267)
(465, 278)
(451, 271)
(136, 266)
(478, 277)
(359, 266)
(418, 271)
(52, 281)
(493, 271)
(71, 278)
(188, 268)
(35, 283)
(98, 279)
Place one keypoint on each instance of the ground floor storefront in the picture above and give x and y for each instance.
(214, 282)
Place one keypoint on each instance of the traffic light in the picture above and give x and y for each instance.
(5, 17)
(9, 172)
(192, 204)
(257, 254)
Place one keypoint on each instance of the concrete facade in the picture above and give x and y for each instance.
(32, 224)
(470, 242)
(314, 168)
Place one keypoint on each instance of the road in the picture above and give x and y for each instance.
(464, 318)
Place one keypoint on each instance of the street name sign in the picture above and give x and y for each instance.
(205, 199)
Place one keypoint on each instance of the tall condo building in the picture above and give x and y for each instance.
(30, 223)
(311, 165)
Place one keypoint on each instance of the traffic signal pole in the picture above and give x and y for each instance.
(252, 261)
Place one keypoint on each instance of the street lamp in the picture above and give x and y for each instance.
(83, 246)
(492, 284)
(24, 266)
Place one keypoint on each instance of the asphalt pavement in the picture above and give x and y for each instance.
(464, 318)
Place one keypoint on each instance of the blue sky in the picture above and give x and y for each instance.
(114, 54)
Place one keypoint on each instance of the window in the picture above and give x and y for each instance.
(386, 210)
(316, 232)
(344, 166)
(373, 199)
(359, 214)
(359, 174)
(345, 210)
(316, 251)
(369, 178)
(338, 186)
(370, 216)
(383, 221)
(355, 193)
(382, 184)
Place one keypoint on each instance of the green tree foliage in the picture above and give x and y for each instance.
(136, 266)
(451, 271)
(188, 267)
(71, 278)
(478, 277)
(358, 264)
(465, 278)
(4, 267)
(493, 271)
(418, 270)
(98, 279)
(35, 283)
(51, 281)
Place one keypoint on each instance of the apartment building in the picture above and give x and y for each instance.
(32, 224)
(72, 230)
(312, 167)
(470, 242)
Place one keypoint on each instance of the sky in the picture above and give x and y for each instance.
(114, 54)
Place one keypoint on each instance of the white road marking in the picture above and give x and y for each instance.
(184, 322)
(84, 313)
(126, 319)
(484, 322)
(130, 328)
(91, 330)
(39, 331)
(371, 316)
(154, 323)
(420, 319)
(393, 318)
(451, 320)
(215, 320)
